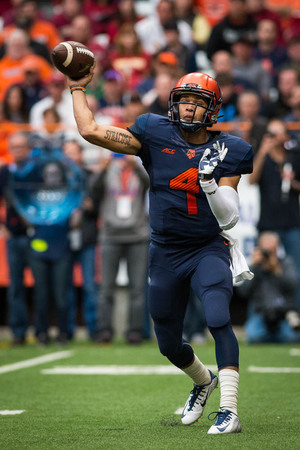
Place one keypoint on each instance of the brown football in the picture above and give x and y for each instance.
(72, 59)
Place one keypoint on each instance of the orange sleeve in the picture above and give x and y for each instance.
(46, 33)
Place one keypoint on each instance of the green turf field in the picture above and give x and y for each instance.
(72, 411)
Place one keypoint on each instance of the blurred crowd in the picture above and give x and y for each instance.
(141, 48)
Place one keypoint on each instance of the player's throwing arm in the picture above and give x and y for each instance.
(77, 62)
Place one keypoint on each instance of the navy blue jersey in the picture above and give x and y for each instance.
(179, 211)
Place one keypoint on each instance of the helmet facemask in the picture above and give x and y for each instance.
(210, 114)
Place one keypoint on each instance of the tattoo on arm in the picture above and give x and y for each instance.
(116, 136)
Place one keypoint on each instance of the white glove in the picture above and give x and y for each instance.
(211, 158)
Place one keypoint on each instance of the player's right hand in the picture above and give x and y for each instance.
(84, 81)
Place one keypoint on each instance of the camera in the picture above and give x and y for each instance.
(274, 311)
(265, 253)
(269, 134)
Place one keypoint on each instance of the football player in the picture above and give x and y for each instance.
(194, 174)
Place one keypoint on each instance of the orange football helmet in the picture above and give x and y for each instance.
(200, 84)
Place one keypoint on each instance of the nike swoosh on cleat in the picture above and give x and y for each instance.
(223, 428)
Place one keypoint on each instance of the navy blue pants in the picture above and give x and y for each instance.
(205, 268)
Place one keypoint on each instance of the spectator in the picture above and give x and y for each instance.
(112, 102)
(163, 84)
(235, 24)
(150, 29)
(34, 87)
(187, 11)
(50, 256)
(294, 115)
(293, 51)
(259, 10)
(128, 56)
(186, 55)
(62, 19)
(58, 97)
(83, 238)
(11, 65)
(222, 62)
(81, 31)
(228, 110)
(14, 231)
(121, 188)
(101, 13)
(271, 55)
(249, 107)
(287, 81)
(39, 30)
(276, 170)
(15, 108)
(245, 67)
(162, 63)
(11, 10)
(126, 14)
(213, 10)
(134, 107)
(35, 47)
(51, 133)
(272, 315)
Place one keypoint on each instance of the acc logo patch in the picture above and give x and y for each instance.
(170, 151)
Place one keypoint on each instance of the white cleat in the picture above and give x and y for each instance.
(226, 422)
(196, 402)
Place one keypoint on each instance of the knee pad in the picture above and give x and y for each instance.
(179, 353)
(214, 301)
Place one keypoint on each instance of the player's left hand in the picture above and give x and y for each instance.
(211, 158)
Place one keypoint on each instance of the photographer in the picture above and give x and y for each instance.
(276, 171)
(272, 315)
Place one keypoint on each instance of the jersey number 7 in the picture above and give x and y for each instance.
(187, 181)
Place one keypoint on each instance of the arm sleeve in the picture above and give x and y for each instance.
(223, 202)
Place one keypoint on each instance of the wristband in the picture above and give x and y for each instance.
(205, 176)
(77, 87)
(209, 186)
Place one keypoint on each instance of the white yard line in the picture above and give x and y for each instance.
(11, 412)
(274, 369)
(115, 370)
(35, 361)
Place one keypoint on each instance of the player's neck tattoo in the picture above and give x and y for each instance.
(116, 136)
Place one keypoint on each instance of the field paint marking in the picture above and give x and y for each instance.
(35, 361)
(11, 412)
(295, 352)
(116, 370)
(274, 369)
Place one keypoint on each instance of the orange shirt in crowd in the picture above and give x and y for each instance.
(276, 5)
(8, 128)
(11, 70)
(213, 10)
(41, 31)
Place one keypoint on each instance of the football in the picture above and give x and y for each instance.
(72, 59)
